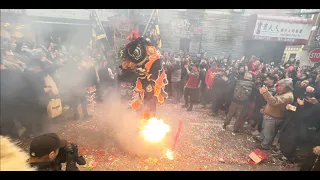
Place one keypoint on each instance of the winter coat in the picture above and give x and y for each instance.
(276, 105)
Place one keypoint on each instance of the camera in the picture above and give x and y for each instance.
(69, 155)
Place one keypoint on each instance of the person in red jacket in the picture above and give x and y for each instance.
(209, 80)
(210, 75)
(190, 89)
(253, 66)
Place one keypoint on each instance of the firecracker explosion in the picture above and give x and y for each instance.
(155, 131)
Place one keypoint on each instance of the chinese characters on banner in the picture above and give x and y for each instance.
(281, 31)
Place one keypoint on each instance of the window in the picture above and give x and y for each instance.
(292, 56)
(185, 44)
(307, 15)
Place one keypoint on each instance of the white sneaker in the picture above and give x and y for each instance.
(255, 133)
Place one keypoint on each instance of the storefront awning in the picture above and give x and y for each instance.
(292, 30)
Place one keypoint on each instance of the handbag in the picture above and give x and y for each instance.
(54, 108)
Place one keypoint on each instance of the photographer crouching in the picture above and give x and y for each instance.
(48, 152)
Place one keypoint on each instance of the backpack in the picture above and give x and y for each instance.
(242, 90)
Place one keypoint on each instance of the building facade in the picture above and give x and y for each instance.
(225, 32)
(222, 30)
(314, 38)
(68, 24)
(219, 32)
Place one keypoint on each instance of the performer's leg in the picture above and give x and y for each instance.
(193, 98)
(179, 93)
(74, 105)
(150, 106)
(242, 111)
(231, 112)
(186, 96)
(84, 105)
(153, 105)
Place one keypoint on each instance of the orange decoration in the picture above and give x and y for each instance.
(128, 65)
(159, 83)
(152, 59)
(160, 98)
(142, 94)
(138, 86)
(136, 104)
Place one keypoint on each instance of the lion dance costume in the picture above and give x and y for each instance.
(143, 57)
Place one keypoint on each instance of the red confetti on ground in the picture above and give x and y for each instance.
(202, 143)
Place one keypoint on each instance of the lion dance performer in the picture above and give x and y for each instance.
(143, 57)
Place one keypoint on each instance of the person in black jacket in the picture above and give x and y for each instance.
(240, 104)
(202, 80)
(35, 94)
(45, 151)
(218, 92)
(232, 81)
(300, 128)
(174, 67)
(312, 162)
(300, 88)
(259, 102)
(74, 83)
(11, 81)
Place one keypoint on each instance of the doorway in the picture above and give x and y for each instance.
(268, 51)
(185, 44)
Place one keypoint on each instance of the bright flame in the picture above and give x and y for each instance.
(155, 130)
(169, 154)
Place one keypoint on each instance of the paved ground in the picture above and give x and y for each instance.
(108, 142)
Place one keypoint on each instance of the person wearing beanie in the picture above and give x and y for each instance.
(273, 111)
(242, 96)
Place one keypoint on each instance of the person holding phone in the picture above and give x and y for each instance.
(273, 112)
(312, 162)
(259, 102)
(300, 126)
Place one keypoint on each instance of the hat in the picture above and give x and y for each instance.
(287, 82)
(45, 144)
